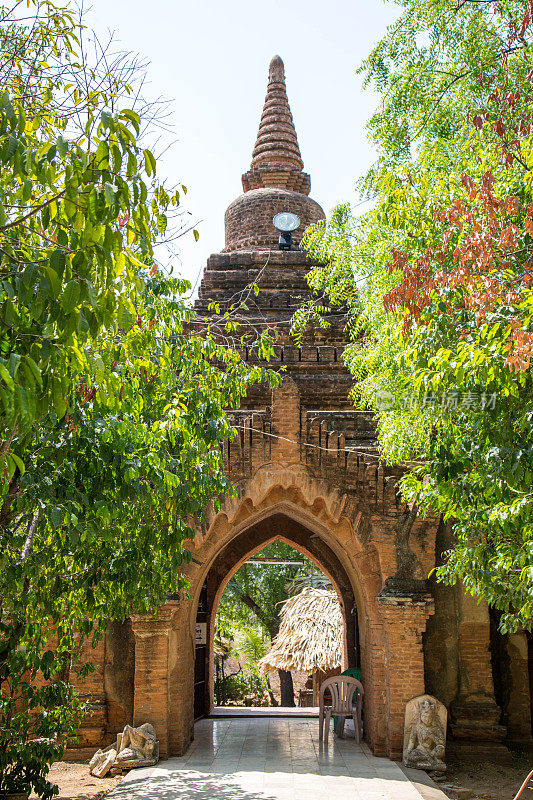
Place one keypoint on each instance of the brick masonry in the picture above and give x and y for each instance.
(248, 220)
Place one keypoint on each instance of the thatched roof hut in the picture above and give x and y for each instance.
(310, 635)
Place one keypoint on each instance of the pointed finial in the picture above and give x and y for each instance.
(276, 159)
(276, 72)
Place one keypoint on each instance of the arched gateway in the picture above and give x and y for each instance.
(306, 471)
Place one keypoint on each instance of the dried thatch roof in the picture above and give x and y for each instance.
(310, 634)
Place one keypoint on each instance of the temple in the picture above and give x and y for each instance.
(306, 468)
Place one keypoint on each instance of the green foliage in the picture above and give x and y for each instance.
(255, 592)
(437, 292)
(247, 643)
(425, 71)
(250, 643)
(248, 615)
(245, 687)
(113, 396)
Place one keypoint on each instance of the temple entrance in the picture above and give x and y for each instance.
(299, 555)
(175, 653)
(306, 472)
(279, 630)
(200, 655)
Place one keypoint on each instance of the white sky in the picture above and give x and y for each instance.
(211, 59)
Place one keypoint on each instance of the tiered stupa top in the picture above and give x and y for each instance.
(275, 181)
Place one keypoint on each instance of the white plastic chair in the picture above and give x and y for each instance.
(342, 689)
(529, 777)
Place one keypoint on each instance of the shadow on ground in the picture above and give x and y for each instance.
(187, 786)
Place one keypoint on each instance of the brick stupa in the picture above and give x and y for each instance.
(305, 469)
(275, 181)
(276, 159)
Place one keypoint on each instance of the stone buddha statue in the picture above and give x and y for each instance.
(427, 738)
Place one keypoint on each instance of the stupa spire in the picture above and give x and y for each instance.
(276, 159)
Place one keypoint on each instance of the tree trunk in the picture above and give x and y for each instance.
(273, 701)
(286, 687)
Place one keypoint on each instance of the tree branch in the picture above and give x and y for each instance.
(32, 212)
(28, 544)
(258, 611)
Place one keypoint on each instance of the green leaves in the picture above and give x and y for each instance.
(70, 296)
(109, 193)
(62, 146)
(149, 162)
(132, 117)
(456, 414)
(58, 399)
(54, 283)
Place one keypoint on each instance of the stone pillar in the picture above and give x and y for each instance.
(151, 694)
(286, 422)
(181, 681)
(374, 681)
(119, 675)
(518, 710)
(404, 621)
(475, 715)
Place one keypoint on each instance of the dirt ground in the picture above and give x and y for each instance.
(75, 783)
(488, 780)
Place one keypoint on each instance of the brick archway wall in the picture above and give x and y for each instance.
(336, 532)
(278, 526)
(329, 540)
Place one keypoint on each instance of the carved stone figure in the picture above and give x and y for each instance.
(424, 741)
(135, 747)
(101, 762)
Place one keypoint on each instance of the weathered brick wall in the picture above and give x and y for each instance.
(152, 662)
(404, 622)
(315, 364)
(91, 691)
(119, 675)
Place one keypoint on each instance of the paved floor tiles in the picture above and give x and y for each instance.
(268, 759)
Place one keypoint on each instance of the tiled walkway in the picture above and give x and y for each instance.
(267, 711)
(268, 759)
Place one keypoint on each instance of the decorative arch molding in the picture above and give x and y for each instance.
(253, 537)
(386, 540)
(305, 551)
(390, 631)
(341, 520)
(292, 479)
(359, 560)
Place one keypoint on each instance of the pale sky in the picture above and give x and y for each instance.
(211, 60)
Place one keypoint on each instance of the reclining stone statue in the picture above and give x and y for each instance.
(135, 747)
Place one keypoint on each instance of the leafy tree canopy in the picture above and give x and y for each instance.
(256, 590)
(112, 393)
(255, 593)
(436, 280)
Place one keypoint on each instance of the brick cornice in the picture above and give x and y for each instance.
(146, 625)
